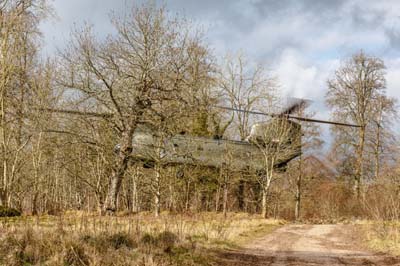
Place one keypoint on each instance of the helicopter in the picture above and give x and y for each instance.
(182, 149)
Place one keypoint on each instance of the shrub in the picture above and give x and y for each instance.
(27, 247)
(9, 212)
(75, 255)
(148, 239)
(115, 241)
(119, 240)
(166, 240)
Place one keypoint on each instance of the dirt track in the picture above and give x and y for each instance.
(300, 245)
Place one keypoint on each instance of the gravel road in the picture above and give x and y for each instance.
(300, 245)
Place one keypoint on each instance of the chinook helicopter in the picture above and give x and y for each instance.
(182, 149)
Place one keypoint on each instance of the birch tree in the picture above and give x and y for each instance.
(352, 94)
(279, 140)
(19, 44)
(243, 86)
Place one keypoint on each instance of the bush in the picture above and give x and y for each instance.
(9, 212)
(148, 239)
(119, 240)
(166, 240)
(75, 255)
(27, 247)
(115, 241)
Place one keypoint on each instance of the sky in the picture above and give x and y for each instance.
(301, 42)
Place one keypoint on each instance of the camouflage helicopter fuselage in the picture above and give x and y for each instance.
(182, 149)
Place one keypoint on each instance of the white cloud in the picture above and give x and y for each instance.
(393, 77)
(301, 77)
(294, 75)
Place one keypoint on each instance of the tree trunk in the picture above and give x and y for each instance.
(135, 199)
(241, 195)
(359, 166)
(265, 189)
(225, 199)
(377, 153)
(100, 201)
(118, 172)
(217, 196)
(298, 191)
(171, 199)
(264, 206)
(298, 198)
(3, 197)
(224, 172)
(35, 204)
(187, 197)
(157, 191)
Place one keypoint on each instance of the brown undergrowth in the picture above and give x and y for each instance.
(383, 236)
(78, 238)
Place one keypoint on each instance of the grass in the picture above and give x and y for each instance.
(383, 236)
(78, 238)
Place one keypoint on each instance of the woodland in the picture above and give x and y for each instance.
(67, 123)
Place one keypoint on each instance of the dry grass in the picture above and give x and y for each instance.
(79, 238)
(384, 236)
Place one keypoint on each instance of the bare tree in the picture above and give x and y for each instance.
(351, 95)
(246, 87)
(148, 61)
(279, 140)
(19, 67)
(310, 142)
(380, 136)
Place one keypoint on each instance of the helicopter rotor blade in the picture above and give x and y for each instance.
(249, 112)
(321, 121)
(293, 105)
(289, 116)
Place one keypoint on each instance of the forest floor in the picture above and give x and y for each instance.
(208, 239)
(302, 245)
(86, 239)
